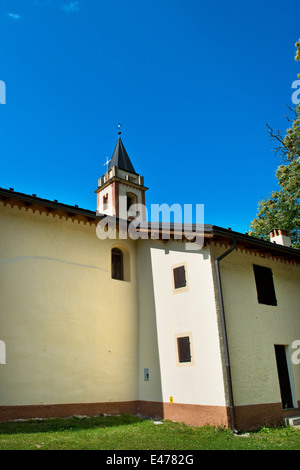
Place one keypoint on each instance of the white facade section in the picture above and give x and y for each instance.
(189, 312)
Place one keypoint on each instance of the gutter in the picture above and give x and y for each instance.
(258, 243)
(224, 331)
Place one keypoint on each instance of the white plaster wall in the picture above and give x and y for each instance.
(189, 311)
(110, 209)
(124, 189)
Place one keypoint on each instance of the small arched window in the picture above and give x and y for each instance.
(117, 264)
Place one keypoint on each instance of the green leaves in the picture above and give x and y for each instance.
(297, 57)
(292, 138)
(282, 208)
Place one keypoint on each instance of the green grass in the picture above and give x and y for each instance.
(132, 433)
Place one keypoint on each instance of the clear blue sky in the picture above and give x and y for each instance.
(192, 82)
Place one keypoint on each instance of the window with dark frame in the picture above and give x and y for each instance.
(179, 277)
(264, 285)
(117, 264)
(184, 349)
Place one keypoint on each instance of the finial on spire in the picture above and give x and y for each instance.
(119, 127)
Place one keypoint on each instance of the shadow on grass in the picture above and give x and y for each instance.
(73, 423)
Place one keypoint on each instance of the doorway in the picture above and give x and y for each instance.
(284, 376)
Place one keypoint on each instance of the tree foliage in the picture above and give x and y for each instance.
(282, 208)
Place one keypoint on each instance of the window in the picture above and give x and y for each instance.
(131, 200)
(179, 277)
(120, 263)
(105, 202)
(184, 349)
(117, 264)
(264, 285)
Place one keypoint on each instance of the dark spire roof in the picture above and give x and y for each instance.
(120, 158)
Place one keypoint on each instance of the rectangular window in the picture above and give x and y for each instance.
(184, 349)
(179, 277)
(283, 376)
(264, 285)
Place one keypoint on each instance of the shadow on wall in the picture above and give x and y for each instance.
(150, 387)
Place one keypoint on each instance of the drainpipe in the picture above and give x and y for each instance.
(227, 361)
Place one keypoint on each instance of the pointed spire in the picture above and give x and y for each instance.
(120, 157)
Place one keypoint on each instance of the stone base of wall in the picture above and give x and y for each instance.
(251, 417)
(247, 417)
(11, 413)
(193, 415)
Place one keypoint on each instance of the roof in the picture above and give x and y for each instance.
(227, 237)
(121, 159)
(210, 232)
(13, 198)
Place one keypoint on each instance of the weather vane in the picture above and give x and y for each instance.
(119, 127)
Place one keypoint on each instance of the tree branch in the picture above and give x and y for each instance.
(292, 110)
(277, 136)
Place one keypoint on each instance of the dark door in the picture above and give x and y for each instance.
(283, 375)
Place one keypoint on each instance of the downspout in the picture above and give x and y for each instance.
(224, 331)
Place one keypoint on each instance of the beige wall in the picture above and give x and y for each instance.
(70, 330)
(74, 335)
(254, 329)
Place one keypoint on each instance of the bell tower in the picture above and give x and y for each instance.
(121, 188)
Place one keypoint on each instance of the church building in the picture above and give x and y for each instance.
(143, 325)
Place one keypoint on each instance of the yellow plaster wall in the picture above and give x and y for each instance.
(70, 330)
(254, 329)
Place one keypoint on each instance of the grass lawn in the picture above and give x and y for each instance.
(132, 433)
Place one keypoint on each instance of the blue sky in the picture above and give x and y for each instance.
(192, 82)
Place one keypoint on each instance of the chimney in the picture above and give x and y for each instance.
(281, 237)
